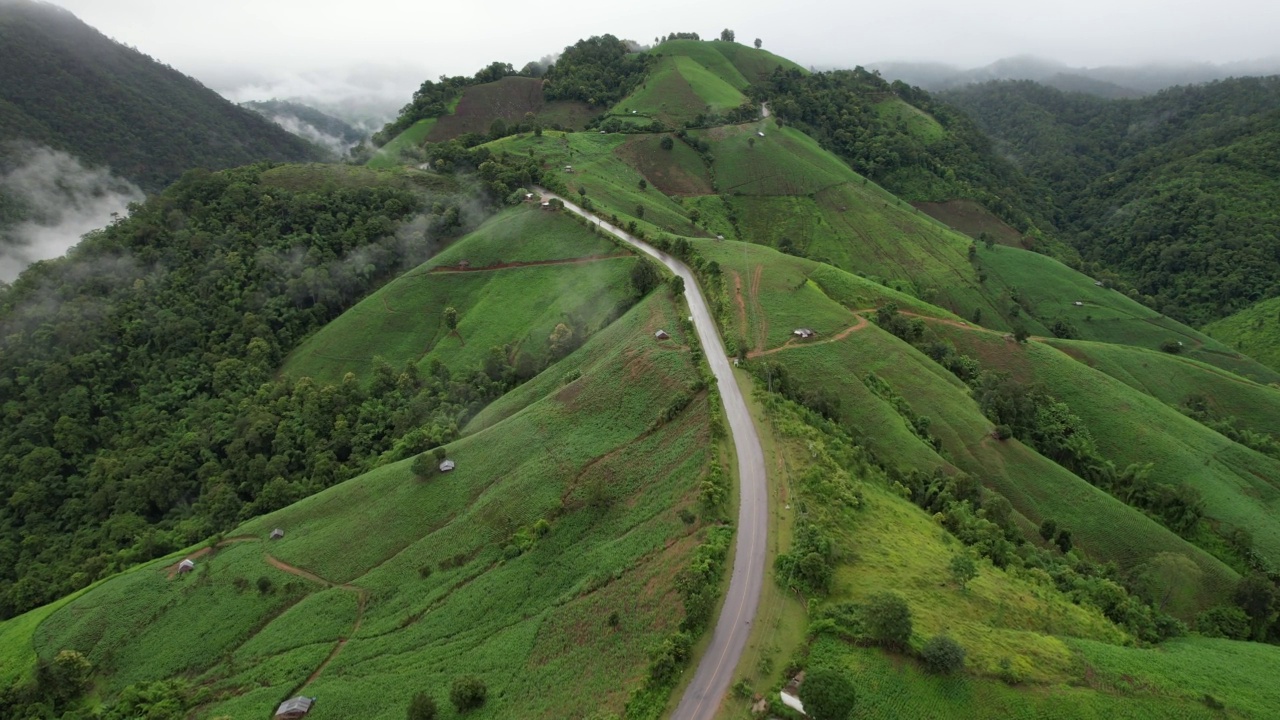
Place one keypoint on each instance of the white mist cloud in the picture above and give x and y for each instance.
(65, 200)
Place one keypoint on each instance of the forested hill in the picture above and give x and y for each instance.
(1175, 192)
(65, 85)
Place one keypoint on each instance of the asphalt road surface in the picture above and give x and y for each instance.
(711, 680)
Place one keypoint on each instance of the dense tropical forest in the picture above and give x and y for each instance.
(107, 104)
(1175, 192)
(137, 383)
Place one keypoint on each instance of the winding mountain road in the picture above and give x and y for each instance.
(701, 700)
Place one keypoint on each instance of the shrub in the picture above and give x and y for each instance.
(888, 619)
(265, 585)
(467, 693)
(963, 569)
(742, 689)
(827, 694)
(1173, 347)
(943, 655)
(422, 707)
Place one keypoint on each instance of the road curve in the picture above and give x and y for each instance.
(701, 700)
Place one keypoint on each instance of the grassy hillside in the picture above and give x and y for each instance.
(1254, 330)
(1029, 650)
(678, 89)
(525, 272)
(453, 573)
(1172, 192)
(772, 294)
(1238, 485)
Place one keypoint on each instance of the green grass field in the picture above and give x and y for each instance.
(1254, 330)
(503, 297)
(678, 89)
(1173, 379)
(1239, 485)
(353, 618)
(919, 124)
(779, 293)
(388, 156)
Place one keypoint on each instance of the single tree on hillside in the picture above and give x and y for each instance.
(451, 318)
(963, 569)
(644, 277)
(644, 184)
(667, 143)
(677, 285)
(758, 43)
(888, 619)
(640, 211)
(943, 655)
(1256, 595)
(827, 694)
(422, 707)
(467, 693)
(726, 35)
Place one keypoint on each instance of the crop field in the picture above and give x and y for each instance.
(1239, 485)
(1050, 291)
(391, 584)
(528, 271)
(678, 171)
(709, 56)
(971, 219)
(509, 99)
(612, 185)
(783, 162)
(388, 156)
(777, 287)
(677, 90)
(920, 124)
(1173, 379)
(753, 64)
(1254, 330)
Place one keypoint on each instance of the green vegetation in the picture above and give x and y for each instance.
(1254, 330)
(512, 282)
(1173, 192)
(391, 154)
(72, 89)
(163, 409)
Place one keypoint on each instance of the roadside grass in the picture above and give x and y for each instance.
(404, 320)
(388, 156)
(1254, 330)
(891, 687)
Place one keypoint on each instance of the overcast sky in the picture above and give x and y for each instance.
(398, 43)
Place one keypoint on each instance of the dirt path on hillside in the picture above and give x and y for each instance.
(173, 569)
(741, 302)
(532, 263)
(762, 326)
(794, 343)
(362, 597)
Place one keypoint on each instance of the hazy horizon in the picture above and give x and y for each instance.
(384, 48)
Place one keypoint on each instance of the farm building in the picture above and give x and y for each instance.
(447, 466)
(1078, 303)
(791, 693)
(1098, 283)
(568, 168)
(186, 566)
(277, 534)
(760, 133)
(805, 333)
(661, 335)
(294, 708)
(546, 205)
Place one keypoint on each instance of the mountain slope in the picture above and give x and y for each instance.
(1255, 330)
(67, 86)
(1173, 193)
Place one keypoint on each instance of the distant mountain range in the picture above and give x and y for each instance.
(1107, 81)
(310, 124)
